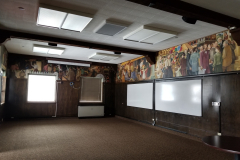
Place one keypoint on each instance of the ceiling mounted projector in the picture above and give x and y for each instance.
(61, 18)
(149, 35)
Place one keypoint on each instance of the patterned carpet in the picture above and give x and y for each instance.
(97, 139)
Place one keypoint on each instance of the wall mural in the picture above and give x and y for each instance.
(21, 67)
(135, 70)
(212, 54)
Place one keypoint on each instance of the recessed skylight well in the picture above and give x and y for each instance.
(61, 18)
(149, 35)
(48, 50)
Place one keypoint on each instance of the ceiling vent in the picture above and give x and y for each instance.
(104, 56)
(149, 35)
(111, 28)
(60, 18)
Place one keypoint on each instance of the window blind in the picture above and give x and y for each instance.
(91, 89)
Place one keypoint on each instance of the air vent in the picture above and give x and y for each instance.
(104, 56)
(149, 35)
(111, 28)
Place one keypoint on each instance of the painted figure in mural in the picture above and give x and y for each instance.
(127, 78)
(144, 72)
(159, 67)
(133, 73)
(188, 55)
(220, 43)
(183, 64)
(178, 71)
(14, 67)
(194, 61)
(78, 75)
(123, 74)
(173, 61)
(217, 63)
(45, 68)
(22, 74)
(211, 54)
(168, 73)
(227, 57)
(34, 65)
(141, 65)
(70, 74)
(204, 59)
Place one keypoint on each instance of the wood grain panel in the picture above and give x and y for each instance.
(17, 105)
(68, 99)
(230, 106)
(121, 108)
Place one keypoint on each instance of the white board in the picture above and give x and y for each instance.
(182, 97)
(140, 95)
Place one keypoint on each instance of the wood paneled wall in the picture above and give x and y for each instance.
(68, 98)
(223, 88)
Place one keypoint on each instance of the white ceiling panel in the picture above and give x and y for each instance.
(25, 47)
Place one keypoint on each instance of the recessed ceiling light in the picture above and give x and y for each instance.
(21, 8)
(62, 18)
(75, 22)
(50, 18)
(149, 35)
(55, 51)
(47, 49)
(104, 56)
(40, 49)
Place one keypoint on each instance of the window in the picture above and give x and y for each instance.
(41, 88)
(91, 90)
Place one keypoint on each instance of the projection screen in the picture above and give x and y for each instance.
(140, 95)
(184, 97)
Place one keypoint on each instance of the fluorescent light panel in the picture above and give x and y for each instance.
(62, 18)
(104, 56)
(149, 35)
(50, 18)
(69, 63)
(75, 22)
(47, 49)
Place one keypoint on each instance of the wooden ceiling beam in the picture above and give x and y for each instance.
(191, 11)
(7, 35)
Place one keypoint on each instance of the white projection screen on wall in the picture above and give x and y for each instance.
(184, 97)
(140, 95)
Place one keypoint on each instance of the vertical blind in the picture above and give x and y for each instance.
(91, 89)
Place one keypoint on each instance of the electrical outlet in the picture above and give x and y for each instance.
(219, 134)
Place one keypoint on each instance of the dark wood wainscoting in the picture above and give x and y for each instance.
(68, 101)
(223, 88)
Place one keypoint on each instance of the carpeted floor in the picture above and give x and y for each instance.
(98, 139)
